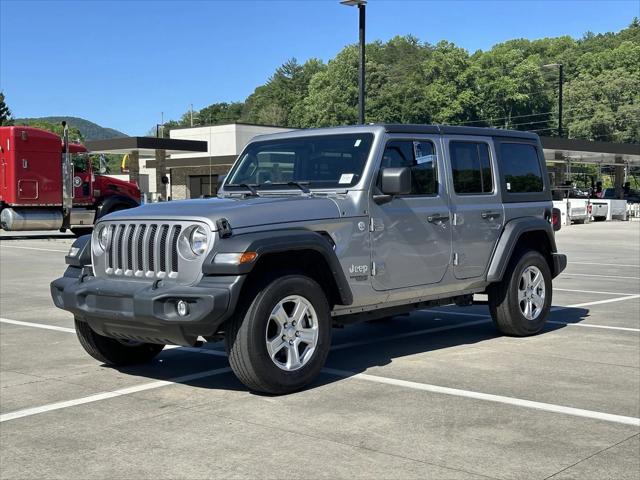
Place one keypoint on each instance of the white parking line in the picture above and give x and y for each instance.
(606, 264)
(560, 308)
(405, 335)
(518, 402)
(591, 325)
(555, 289)
(568, 274)
(223, 354)
(27, 412)
(597, 302)
(37, 325)
(341, 373)
(32, 248)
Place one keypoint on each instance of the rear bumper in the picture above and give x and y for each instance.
(559, 263)
(124, 309)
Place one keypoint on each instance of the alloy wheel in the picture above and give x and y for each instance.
(531, 292)
(292, 333)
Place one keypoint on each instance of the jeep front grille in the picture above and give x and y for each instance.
(143, 250)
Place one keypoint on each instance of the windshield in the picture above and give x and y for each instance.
(331, 161)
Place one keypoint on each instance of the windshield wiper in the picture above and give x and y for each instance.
(301, 185)
(251, 188)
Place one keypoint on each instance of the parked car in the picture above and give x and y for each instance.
(632, 196)
(314, 228)
(599, 209)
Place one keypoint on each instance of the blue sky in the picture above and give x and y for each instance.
(122, 63)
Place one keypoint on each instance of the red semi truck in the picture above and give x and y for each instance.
(48, 183)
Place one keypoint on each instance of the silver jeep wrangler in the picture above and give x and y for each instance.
(316, 228)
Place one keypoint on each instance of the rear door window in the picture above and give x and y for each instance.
(520, 166)
(471, 168)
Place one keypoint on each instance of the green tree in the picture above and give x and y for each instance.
(279, 101)
(5, 113)
(216, 114)
(409, 81)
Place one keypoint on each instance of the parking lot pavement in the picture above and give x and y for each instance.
(437, 394)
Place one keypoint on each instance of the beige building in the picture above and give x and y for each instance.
(195, 174)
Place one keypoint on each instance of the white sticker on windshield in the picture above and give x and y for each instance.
(345, 178)
(357, 144)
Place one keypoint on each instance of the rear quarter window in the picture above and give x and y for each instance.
(520, 167)
(471, 168)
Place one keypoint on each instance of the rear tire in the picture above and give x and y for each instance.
(520, 303)
(273, 350)
(114, 352)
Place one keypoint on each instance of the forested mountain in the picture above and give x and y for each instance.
(413, 81)
(88, 130)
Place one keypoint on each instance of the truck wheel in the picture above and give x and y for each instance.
(279, 343)
(115, 352)
(520, 303)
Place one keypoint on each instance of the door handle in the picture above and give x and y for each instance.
(436, 217)
(488, 215)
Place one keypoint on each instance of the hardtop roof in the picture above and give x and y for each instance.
(400, 128)
(457, 130)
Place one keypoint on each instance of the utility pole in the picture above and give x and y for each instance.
(191, 114)
(361, 4)
(560, 82)
(361, 11)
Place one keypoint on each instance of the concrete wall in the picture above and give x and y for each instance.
(151, 172)
(180, 179)
(222, 140)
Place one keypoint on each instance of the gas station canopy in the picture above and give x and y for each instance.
(145, 146)
(560, 150)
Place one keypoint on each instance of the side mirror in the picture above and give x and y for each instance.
(393, 181)
(103, 165)
(396, 181)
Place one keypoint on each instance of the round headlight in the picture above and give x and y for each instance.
(103, 237)
(198, 240)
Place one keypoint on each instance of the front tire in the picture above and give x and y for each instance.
(520, 303)
(114, 352)
(280, 342)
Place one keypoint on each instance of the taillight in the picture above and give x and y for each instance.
(556, 219)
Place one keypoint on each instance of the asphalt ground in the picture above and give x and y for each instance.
(438, 394)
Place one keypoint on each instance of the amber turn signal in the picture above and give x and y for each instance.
(247, 257)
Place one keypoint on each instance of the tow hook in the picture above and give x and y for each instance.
(87, 271)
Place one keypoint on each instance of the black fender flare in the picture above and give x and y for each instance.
(112, 201)
(279, 241)
(80, 252)
(511, 233)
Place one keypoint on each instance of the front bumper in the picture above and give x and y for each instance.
(146, 312)
(559, 263)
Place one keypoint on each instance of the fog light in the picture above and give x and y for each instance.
(182, 308)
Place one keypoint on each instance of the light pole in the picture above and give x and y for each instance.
(560, 82)
(361, 4)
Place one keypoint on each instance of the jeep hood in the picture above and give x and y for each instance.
(241, 213)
